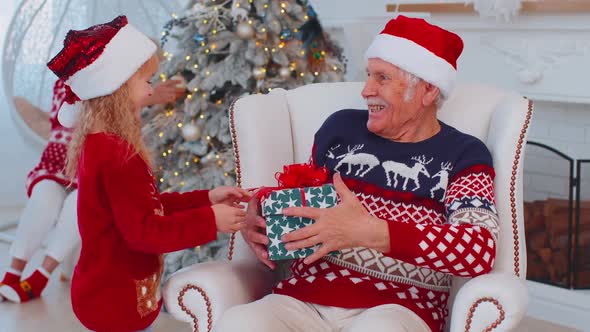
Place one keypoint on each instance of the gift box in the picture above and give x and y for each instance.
(277, 224)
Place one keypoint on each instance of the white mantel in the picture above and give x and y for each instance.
(546, 58)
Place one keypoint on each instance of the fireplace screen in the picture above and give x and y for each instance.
(557, 217)
(581, 237)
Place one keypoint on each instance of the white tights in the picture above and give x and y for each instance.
(50, 207)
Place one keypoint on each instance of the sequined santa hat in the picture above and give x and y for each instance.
(418, 47)
(95, 62)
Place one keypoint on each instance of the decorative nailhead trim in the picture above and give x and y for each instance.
(192, 315)
(513, 189)
(474, 307)
(234, 138)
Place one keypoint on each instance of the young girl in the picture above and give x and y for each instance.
(124, 222)
(51, 208)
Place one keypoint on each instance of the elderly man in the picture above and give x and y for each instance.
(417, 203)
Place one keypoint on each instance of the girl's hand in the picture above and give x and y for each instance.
(228, 219)
(231, 196)
(165, 93)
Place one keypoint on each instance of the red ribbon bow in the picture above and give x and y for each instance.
(302, 175)
(297, 175)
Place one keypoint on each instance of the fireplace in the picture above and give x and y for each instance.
(549, 215)
(557, 195)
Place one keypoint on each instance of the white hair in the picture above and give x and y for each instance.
(412, 81)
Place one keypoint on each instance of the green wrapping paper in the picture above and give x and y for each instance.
(278, 224)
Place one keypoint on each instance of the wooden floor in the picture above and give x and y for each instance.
(53, 311)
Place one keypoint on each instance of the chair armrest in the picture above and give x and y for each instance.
(491, 302)
(199, 294)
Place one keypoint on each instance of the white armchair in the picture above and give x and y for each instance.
(273, 130)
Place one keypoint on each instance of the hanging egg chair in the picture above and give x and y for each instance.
(36, 34)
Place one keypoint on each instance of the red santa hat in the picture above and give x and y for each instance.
(97, 61)
(418, 47)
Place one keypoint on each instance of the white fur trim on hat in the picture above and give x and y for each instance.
(415, 59)
(127, 51)
(69, 114)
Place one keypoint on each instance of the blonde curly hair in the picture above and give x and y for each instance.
(114, 114)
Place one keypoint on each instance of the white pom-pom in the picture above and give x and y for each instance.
(69, 113)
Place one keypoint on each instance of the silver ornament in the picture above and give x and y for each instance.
(285, 72)
(245, 30)
(191, 132)
(259, 73)
(274, 26)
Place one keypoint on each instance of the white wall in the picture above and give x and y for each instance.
(16, 157)
(565, 127)
(342, 22)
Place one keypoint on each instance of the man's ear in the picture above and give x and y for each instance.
(430, 95)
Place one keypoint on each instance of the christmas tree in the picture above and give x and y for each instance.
(224, 49)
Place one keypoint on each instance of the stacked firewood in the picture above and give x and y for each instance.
(547, 229)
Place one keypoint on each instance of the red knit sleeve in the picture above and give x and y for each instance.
(139, 216)
(465, 245)
(176, 202)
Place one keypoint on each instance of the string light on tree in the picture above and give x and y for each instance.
(258, 73)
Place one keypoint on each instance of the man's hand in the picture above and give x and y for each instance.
(254, 233)
(165, 93)
(346, 225)
(228, 195)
